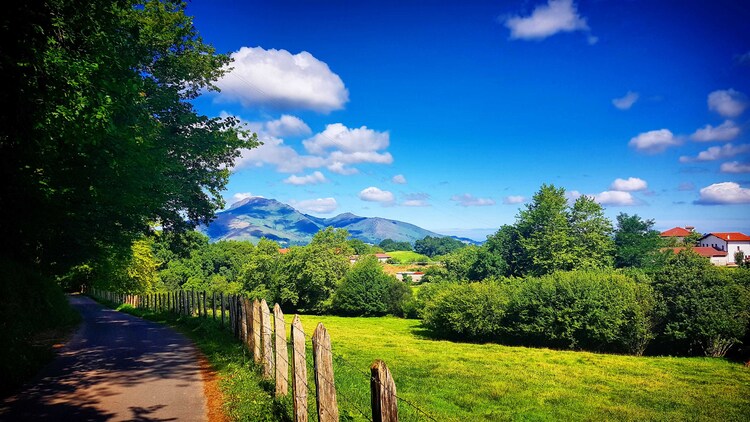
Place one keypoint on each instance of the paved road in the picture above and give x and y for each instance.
(115, 368)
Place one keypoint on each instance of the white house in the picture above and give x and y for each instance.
(416, 276)
(730, 243)
(716, 256)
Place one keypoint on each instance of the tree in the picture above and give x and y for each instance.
(545, 237)
(592, 235)
(102, 139)
(636, 243)
(366, 290)
(434, 246)
(390, 245)
(261, 272)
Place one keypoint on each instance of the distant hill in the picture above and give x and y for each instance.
(253, 218)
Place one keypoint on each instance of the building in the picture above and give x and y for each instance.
(416, 276)
(678, 233)
(716, 256)
(381, 257)
(729, 242)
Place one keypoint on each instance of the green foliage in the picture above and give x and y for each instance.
(703, 307)
(434, 246)
(592, 235)
(366, 290)
(261, 271)
(407, 257)
(390, 245)
(636, 242)
(460, 263)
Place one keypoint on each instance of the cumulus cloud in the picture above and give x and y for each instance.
(615, 197)
(631, 184)
(654, 141)
(469, 200)
(735, 167)
(373, 194)
(727, 102)
(416, 200)
(310, 179)
(337, 136)
(624, 103)
(317, 206)
(724, 132)
(275, 152)
(239, 196)
(725, 193)
(572, 195)
(399, 179)
(547, 20)
(287, 125)
(513, 199)
(282, 80)
(717, 153)
(341, 168)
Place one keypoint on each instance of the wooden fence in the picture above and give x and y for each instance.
(266, 339)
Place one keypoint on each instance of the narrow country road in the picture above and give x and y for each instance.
(115, 368)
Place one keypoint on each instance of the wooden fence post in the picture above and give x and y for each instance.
(256, 331)
(265, 321)
(282, 364)
(382, 393)
(213, 304)
(205, 312)
(243, 319)
(232, 316)
(221, 299)
(328, 409)
(247, 315)
(299, 369)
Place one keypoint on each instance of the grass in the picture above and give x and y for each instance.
(408, 257)
(463, 381)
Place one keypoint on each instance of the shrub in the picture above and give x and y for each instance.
(367, 290)
(472, 311)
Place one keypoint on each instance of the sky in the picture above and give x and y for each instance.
(451, 114)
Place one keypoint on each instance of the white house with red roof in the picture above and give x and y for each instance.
(729, 242)
(716, 256)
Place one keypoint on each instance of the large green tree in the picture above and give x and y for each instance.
(99, 139)
(592, 234)
(636, 242)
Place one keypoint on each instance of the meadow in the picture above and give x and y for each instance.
(464, 381)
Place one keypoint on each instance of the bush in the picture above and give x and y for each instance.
(473, 311)
(367, 290)
(705, 310)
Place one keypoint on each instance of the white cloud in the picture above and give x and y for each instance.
(717, 153)
(614, 197)
(282, 80)
(287, 125)
(724, 132)
(624, 103)
(469, 200)
(735, 167)
(318, 206)
(654, 141)
(728, 103)
(341, 168)
(310, 179)
(631, 184)
(373, 194)
(276, 153)
(726, 193)
(513, 199)
(399, 179)
(416, 200)
(572, 195)
(239, 196)
(547, 20)
(337, 136)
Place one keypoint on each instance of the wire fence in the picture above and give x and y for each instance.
(358, 395)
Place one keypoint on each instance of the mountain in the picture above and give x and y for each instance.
(253, 218)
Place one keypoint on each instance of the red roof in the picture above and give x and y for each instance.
(676, 232)
(730, 236)
(283, 250)
(706, 251)
(382, 255)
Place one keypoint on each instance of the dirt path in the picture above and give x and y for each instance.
(117, 367)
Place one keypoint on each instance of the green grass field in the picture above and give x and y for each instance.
(408, 257)
(462, 381)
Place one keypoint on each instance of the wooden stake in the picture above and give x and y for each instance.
(382, 393)
(282, 365)
(299, 368)
(328, 410)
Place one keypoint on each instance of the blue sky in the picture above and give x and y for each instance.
(450, 115)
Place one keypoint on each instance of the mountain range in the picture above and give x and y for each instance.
(256, 217)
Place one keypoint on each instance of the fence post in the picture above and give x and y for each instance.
(265, 320)
(256, 331)
(221, 298)
(328, 409)
(299, 369)
(232, 315)
(243, 319)
(382, 393)
(247, 316)
(282, 365)
(213, 304)
(205, 312)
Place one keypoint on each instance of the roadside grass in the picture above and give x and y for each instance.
(465, 381)
(408, 257)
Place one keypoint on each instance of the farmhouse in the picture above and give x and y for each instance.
(729, 242)
(416, 276)
(716, 256)
(381, 257)
(677, 233)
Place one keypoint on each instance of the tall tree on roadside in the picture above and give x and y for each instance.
(545, 237)
(101, 139)
(636, 242)
(593, 246)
